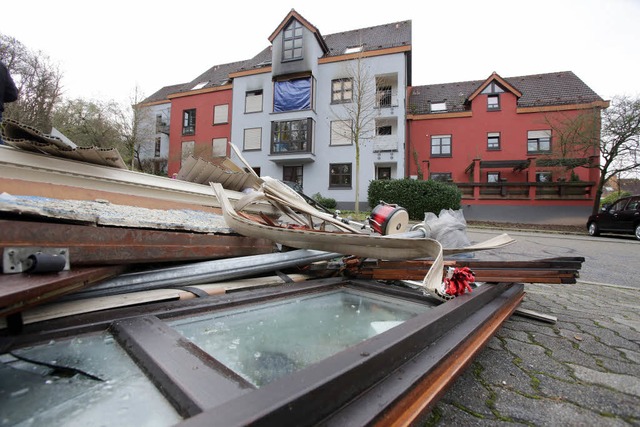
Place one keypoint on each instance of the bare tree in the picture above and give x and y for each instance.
(575, 142)
(360, 112)
(92, 123)
(38, 81)
(617, 142)
(620, 143)
(141, 137)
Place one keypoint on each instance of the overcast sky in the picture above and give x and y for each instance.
(107, 49)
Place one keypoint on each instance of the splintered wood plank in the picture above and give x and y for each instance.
(20, 291)
(90, 245)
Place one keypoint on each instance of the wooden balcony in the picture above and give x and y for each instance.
(580, 190)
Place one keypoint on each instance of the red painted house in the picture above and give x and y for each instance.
(509, 144)
(201, 117)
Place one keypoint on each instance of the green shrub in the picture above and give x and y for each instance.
(613, 197)
(327, 202)
(417, 197)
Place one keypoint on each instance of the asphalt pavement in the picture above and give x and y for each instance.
(583, 370)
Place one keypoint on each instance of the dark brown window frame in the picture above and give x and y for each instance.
(491, 145)
(341, 93)
(293, 27)
(440, 137)
(331, 176)
(189, 121)
(496, 106)
(373, 375)
(279, 135)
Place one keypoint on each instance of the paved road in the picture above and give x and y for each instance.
(611, 259)
(583, 370)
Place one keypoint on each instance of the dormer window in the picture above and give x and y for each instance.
(493, 91)
(199, 85)
(292, 41)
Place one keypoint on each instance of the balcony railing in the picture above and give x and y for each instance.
(162, 128)
(290, 147)
(527, 190)
(385, 143)
(386, 98)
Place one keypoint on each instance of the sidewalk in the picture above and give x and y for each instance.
(582, 371)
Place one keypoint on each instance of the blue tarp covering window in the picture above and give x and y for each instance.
(292, 95)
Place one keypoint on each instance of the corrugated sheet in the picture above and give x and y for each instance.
(220, 170)
(28, 138)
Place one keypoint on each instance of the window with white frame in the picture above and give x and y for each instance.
(538, 141)
(221, 114)
(252, 139)
(493, 141)
(253, 101)
(341, 132)
(441, 146)
(219, 147)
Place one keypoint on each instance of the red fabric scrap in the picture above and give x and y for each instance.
(460, 281)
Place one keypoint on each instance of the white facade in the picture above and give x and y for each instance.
(153, 134)
(382, 139)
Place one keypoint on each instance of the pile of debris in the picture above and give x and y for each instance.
(171, 269)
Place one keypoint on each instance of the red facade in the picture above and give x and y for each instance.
(205, 131)
(484, 149)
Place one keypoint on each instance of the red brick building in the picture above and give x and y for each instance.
(506, 143)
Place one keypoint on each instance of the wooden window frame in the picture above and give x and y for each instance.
(384, 369)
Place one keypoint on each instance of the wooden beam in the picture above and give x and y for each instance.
(21, 291)
(90, 245)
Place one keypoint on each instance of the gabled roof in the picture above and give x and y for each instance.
(386, 36)
(295, 15)
(162, 94)
(537, 90)
(216, 76)
(395, 34)
(495, 77)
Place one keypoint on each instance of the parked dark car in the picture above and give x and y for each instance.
(622, 217)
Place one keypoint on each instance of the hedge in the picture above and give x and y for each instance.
(417, 197)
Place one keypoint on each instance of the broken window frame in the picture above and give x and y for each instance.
(202, 390)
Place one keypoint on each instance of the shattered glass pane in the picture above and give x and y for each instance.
(84, 381)
(265, 342)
